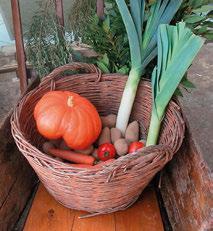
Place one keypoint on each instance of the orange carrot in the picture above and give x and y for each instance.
(82, 165)
(97, 166)
(78, 158)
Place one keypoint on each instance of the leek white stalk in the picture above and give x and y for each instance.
(127, 99)
(143, 46)
(177, 47)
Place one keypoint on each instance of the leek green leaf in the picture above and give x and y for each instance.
(177, 47)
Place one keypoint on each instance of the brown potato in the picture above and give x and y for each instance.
(115, 134)
(104, 136)
(132, 132)
(108, 121)
(121, 147)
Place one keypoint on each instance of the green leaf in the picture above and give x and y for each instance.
(205, 8)
(134, 42)
(188, 84)
(137, 8)
(177, 47)
(209, 36)
(106, 24)
(202, 29)
(193, 18)
(123, 70)
(195, 3)
(178, 92)
(185, 48)
(161, 12)
(105, 60)
(103, 67)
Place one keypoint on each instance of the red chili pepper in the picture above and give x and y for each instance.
(134, 146)
(106, 151)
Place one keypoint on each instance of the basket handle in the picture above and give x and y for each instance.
(75, 66)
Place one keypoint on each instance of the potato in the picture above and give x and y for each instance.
(121, 147)
(132, 132)
(104, 136)
(108, 121)
(115, 134)
(86, 151)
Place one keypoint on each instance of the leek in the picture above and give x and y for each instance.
(177, 47)
(142, 43)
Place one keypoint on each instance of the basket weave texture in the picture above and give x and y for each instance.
(118, 184)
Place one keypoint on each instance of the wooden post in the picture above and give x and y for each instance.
(100, 8)
(20, 54)
(59, 11)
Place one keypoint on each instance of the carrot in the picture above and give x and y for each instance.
(82, 165)
(87, 166)
(78, 158)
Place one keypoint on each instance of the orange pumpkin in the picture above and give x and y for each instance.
(68, 115)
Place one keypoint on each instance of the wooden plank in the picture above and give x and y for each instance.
(59, 11)
(187, 188)
(102, 222)
(19, 45)
(100, 8)
(17, 179)
(47, 214)
(16, 199)
(144, 215)
(12, 67)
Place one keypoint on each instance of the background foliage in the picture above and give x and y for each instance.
(48, 47)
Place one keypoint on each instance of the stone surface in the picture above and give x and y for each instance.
(187, 184)
(9, 92)
(198, 105)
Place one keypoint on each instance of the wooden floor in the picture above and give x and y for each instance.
(48, 215)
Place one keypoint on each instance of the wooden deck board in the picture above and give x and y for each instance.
(48, 215)
(143, 216)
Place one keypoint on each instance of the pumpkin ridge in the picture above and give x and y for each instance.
(77, 134)
(40, 118)
(88, 120)
(95, 126)
(41, 108)
(88, 112)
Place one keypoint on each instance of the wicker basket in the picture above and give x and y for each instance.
(118, 184)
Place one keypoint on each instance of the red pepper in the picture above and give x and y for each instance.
(106, 151)
(134, 146)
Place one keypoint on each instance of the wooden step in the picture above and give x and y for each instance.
(48, 215)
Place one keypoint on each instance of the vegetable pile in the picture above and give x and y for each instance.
(110, 144)
(76, 132)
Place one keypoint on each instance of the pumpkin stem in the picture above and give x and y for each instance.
(70, 101)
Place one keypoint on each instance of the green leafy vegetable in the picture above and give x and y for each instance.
(142, 43)
(177, 47)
